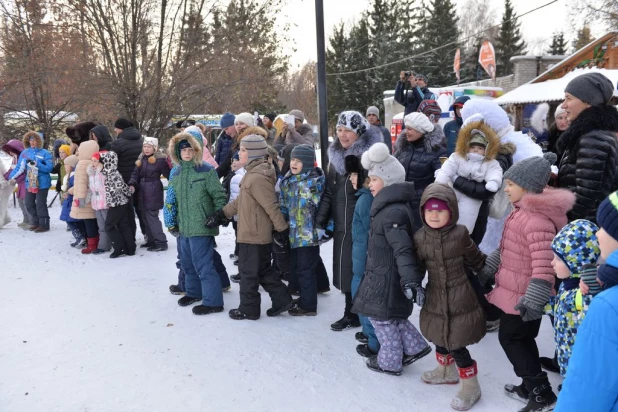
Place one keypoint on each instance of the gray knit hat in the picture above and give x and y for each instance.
(591, 88)
(373, 110)
(380, 163)
(533, 173)
(255, 145)
(298, 115)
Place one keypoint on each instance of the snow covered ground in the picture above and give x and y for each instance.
(89, 333)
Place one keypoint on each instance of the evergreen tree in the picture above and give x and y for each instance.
(584, 37)
(509, 41)
(336, 62)
(558, 46)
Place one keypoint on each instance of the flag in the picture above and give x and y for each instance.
(457, 64)
(487, 58)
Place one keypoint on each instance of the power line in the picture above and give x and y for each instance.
(440, 47)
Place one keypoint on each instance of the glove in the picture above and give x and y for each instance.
(282, 239)
(328, 235)
(530, 306)
(174, 231)
(131, 189)
(588, 275)
(215, 219)
(414, 292)
(487, 275)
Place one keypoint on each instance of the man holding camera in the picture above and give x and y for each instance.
(411, 90)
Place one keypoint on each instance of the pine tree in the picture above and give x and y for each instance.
(509, 41)
(558, 46)
(336, 62)
(584, 37)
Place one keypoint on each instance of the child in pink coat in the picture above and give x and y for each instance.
(525, 276)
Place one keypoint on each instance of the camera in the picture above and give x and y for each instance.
(407, 73)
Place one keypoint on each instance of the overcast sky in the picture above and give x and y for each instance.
(537, 26)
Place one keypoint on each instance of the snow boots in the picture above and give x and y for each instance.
(43, 225)
(346, 322)
(444, 374)
(541, 397)
(93, 243)
(469, 389)
(176, 290)
(187, 300)
(206, 310)
(519, 392)
(372, 363)
(410, 359)
(360, 336)
(549, 364)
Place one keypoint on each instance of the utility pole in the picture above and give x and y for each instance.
(322, 102)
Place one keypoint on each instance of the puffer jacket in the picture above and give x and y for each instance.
(299, 199)
(42, 158)
(117, 192)
(83, 210)
(194, 191)
(390, 259)
(128, 147)
(146, 179)
(338, 203)
(451, 316)
(589, 160)
(420, 160)
(96, 188)
(15, 147)
(257, 205)
(525, 248)
(360, 230)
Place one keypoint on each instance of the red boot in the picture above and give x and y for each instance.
(93, 243)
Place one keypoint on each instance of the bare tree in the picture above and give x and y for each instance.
(603, 11)
(299, 92)
(476, 16)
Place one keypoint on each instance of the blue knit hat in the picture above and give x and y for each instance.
(607, 215)
(306, 154)
(227, 120)
(577, 245)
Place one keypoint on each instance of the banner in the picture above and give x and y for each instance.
(487, 59)
(456, 64)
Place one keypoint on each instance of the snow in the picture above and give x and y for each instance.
(89, 333)
(551, 90)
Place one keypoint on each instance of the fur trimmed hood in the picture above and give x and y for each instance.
(337, 154)
(196, 144)
(26, 139)
(432, 140)
(552, 203)
(465, 134)
(87, 149)
(601, 118)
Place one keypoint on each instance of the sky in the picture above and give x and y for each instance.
(537, 27)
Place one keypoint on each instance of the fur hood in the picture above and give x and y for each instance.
(507, 149)
(337, 154)
(196, 144)
(465, 134)
(601, 118)
(28, 135)
(492, 114)
(87, 149)
(432, 140)
(13, 146)
(552, 203)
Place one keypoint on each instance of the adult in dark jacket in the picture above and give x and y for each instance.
(419, 148)
(451, 129)
(411, 92)
(373, 117)
(588, 147)
(101, 135)
(354, 136)
(226, 138)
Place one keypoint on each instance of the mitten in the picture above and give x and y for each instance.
(492, 186)
(76, 202)
(531, 305)
(414, 292)
(487, 274)
(328, 235)
(174, 231)
(589, 276)
(215, 219)
(282, 239)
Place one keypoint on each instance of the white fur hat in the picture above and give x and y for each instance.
(246, 118)
(153, 141)
(381, 164)
(418, 121)
(492, 114)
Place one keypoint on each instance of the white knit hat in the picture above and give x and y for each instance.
(559, 111)
(381, 164)
(246, 118)
(418, 121)
(153, 141)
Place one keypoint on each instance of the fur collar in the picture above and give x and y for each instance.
(553, 203)
(465, 134)
(432, 141)
(602, 118)
(28, 135)
(507, 148)
(337, 154)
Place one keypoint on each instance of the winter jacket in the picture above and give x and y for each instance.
(474, 167)
(420, 160)
(224, 145)
(65, 212)
(387, 136)
(299, 199)
(128, 147)
(146, 179)
(96, 188)
(117, 192)
(270, 139)
(360, 230)
(338, 203)
(41, 157)
(15, 147)
(589, 160)
(225, 165)
(451, 131)
(525, 248)
(553, 137)
(234, 188)
(302, 135)
(207, 156)
(83, 209)
(61, 172)
(592, 380)
(451, 316)
(193, 192)
(411, 98)
(257, 205)
(390, 258)
(104, 139)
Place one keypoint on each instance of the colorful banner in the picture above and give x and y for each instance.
(457, 64)
(487, 58)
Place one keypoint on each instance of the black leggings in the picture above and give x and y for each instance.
(461, 355)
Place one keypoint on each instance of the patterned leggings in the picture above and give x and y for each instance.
(397, 337)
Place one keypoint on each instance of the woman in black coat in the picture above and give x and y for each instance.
(354, 137)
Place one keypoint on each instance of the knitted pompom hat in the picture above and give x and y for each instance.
(380, 163)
